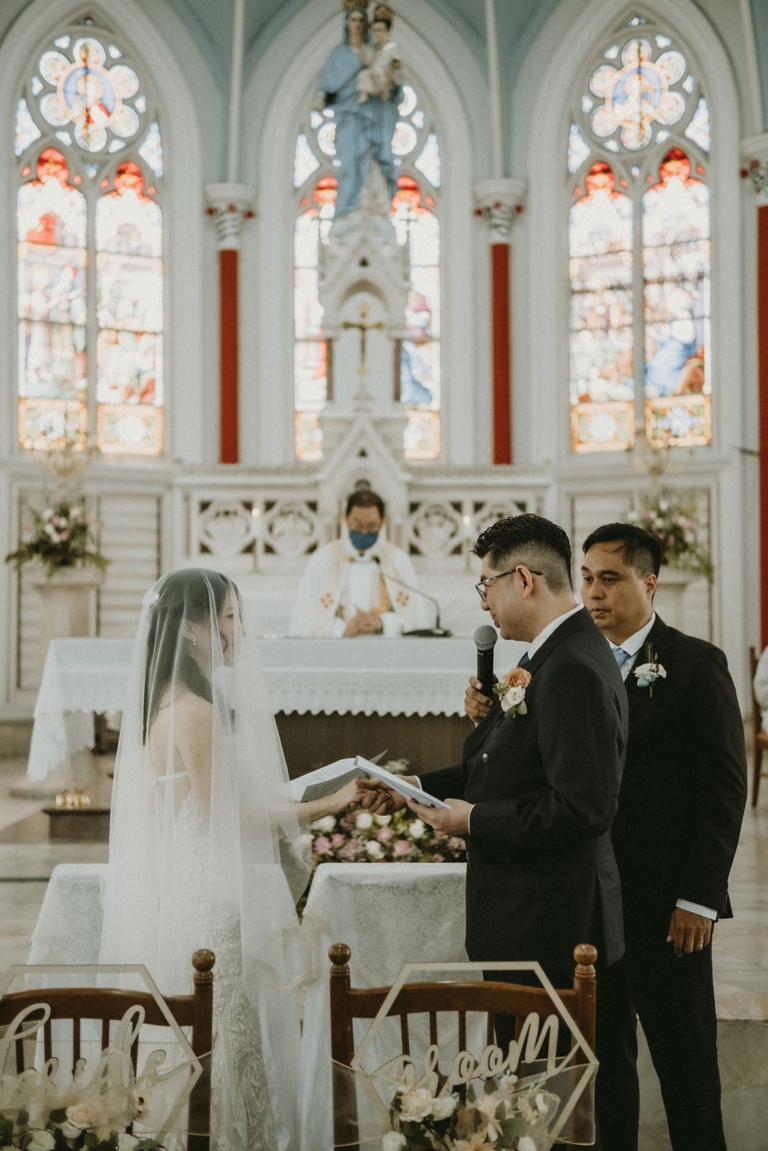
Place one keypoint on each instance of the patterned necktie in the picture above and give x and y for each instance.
(620, 656)
(524, 660)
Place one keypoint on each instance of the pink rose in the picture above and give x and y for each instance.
(402, 847)
(337, 839)
(517, 677)
(384, 834)
(321, 845)
(437, 858)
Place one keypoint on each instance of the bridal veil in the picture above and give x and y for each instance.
(203, 829)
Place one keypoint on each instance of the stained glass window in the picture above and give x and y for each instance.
(639, 247)
(414, 215)
(90, 249)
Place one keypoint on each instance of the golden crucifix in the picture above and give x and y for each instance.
(364, 328)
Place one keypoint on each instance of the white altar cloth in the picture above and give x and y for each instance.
(68, 928)
(363, 676)
(389, 914)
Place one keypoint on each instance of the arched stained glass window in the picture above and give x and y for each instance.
(639, 251)
(90, 249)
(414, 215)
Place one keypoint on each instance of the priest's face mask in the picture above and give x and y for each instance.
(364, 525)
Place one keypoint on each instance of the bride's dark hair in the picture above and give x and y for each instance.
(193, 594)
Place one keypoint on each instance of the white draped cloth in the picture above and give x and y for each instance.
(389, 914)
(339, 580)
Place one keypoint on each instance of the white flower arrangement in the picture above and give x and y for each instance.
(511, 690)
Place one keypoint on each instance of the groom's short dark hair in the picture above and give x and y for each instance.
(530, 540)
(642, 551)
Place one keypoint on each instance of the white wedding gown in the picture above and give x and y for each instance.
(241, 1115)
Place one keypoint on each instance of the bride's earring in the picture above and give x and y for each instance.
(194, 641)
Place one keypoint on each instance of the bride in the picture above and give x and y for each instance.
(205, 849)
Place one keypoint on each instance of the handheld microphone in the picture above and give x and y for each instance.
(485, 638)
(437, 631)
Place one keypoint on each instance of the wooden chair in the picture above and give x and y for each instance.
(90, 1003)
(485, 996)
(759, 737)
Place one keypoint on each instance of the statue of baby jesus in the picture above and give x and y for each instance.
(380, 77)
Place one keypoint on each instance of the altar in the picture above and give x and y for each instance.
(331, 698)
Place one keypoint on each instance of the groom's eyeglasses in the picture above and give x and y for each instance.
(486, 581)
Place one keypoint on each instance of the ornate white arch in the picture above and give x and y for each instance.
(541, 117)
(184, 219)
(272, 111)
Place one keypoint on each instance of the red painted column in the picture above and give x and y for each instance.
(501, 343)
(230, 205)
(762, 349)
(229, 356)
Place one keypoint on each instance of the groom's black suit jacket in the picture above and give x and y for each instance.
(685, 780)
(541, 874)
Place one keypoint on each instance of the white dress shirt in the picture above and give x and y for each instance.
(633, 646)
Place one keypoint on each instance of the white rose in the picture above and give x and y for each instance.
(416, 1105)
(383, 820)
(416, 829)
(126, 1142)
(443, 1107)
(513, 698)
(393, 1141)
(364, 821)
(663, 506)
(327, 823)
(526, 1144)
(41, 1141)
(373, 849)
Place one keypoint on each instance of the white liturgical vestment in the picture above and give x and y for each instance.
(339, 580)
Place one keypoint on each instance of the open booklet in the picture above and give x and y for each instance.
(325, 780)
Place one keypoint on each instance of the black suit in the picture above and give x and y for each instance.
(541, 874)
(675, 835)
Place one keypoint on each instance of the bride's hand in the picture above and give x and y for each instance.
(347, 796)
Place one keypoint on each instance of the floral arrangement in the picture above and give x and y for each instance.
(60, 536)
(499, 1117)
(81, 1125)
(649, 672)
(677, 526)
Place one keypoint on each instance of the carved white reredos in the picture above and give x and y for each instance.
(363, 450)
(363, 255)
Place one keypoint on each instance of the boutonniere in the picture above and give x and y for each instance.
(511, 692)
(647, 673)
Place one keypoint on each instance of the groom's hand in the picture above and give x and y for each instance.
(376, 797)
(476, 705)
(454, 821)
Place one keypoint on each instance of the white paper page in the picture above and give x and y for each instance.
(324, 780)
(398, 784)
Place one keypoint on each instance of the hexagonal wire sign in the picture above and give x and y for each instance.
(553, 1102)
(103, 1081)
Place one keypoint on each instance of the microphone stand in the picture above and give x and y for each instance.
(436, 632)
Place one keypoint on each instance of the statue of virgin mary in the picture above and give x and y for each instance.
(364, 129)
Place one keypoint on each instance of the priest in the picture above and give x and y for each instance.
(357, 584)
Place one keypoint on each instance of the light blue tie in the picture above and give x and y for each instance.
(620, 656)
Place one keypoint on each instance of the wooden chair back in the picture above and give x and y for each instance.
(759, 739)
(484, 996)
(109, 1006)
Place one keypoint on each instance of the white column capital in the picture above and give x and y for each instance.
(754, 154)
(499, 200)
(230, 205)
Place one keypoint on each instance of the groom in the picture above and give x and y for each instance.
(536, 793)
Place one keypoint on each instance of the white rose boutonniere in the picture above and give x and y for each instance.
(648, 673)
(511, 691)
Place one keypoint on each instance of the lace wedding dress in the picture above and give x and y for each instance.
(241, 1115)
